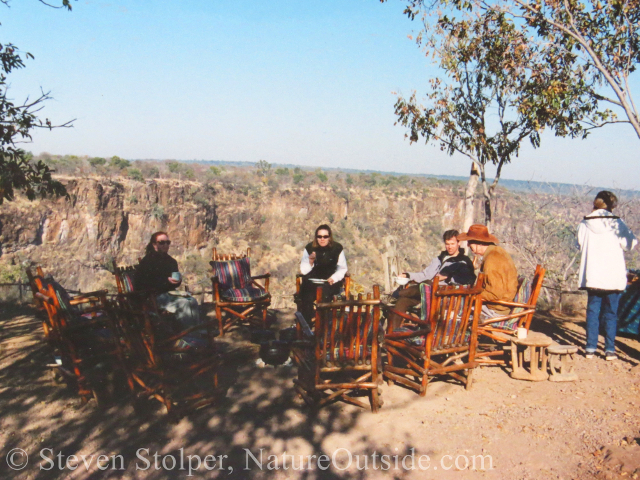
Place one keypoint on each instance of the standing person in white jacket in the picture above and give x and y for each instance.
(602, 238)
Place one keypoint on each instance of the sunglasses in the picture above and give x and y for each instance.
(322, 236)
(164, 242)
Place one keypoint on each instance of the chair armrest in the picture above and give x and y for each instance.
(404, 315)
(97, 293)
(507, 304)
(394, 335)
(501, 318)
(91, 297)
(264, 275)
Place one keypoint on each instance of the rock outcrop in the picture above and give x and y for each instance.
(77, 239)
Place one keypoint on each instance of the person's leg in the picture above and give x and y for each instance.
(408, 297)
(306, 300)
(610, 318)
(329, 291)
(594, 303)
(486, 313)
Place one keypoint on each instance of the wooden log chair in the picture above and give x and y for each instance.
(176, 366)
(342, 359)
(495, 333)
(85, 341)
(442, 343)
(238, 294)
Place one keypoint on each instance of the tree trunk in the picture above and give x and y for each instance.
(487, 204)
(469, 193)
(486, 193)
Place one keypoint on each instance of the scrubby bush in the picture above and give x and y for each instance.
(119, 163)
(135, 174)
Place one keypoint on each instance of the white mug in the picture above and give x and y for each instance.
(522, 332)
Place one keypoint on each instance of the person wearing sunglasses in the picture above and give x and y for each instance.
(323, 265)
(158, 274)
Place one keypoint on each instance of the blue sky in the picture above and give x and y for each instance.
(308, 83)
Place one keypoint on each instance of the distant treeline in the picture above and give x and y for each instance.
(207, 170)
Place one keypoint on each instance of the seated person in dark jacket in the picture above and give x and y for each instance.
(158, 274)
(322, 259)
(452, 267)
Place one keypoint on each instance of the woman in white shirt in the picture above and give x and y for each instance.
(602, 238)
(322, 259)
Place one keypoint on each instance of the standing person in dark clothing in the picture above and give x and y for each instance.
(323, 264)
(158, 274)
(452, 266)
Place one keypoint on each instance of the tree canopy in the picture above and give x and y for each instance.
(475, 110)
(18, 171)
(593, 48)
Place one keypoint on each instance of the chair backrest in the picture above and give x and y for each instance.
(219, 257)
(233, 273)
(454, 316)
(124, 277)
(536, 286)
(36, 283)
(55, 310)
(347, 331)
(134, 325)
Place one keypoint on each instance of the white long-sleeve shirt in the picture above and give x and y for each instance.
(341, 268)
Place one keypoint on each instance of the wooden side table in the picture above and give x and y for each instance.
(561, 363)
(536, 343)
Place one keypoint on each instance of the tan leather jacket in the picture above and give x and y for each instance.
(501, 277)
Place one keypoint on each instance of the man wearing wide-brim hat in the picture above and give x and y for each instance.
(500, 274)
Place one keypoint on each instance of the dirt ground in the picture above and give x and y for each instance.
(521, 430)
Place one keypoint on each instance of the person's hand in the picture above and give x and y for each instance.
(173, 281)
(312, 258)
(330, 281)
(442, 277)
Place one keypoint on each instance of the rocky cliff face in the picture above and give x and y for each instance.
(104, 220)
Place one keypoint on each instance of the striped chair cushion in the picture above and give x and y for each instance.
(233, 274)
(425, 301)
(348, 353)
(127, 281)
(522, 296)
(419, 341)
(247, 294)
(64, 299)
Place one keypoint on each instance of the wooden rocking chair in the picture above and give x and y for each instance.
(343, 356)
(83, 338)
(501, 329)
(177, 368)
(438, 344)
(237, 293)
